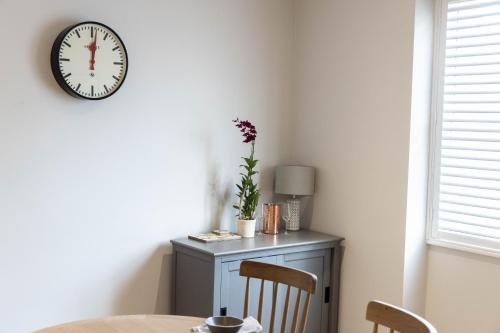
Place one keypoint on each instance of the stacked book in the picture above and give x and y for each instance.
(215, 236)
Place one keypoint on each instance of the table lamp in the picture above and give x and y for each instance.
(294, 180)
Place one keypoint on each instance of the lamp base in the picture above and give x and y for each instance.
(293, 224)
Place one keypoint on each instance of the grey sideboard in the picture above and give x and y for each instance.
(206, 279)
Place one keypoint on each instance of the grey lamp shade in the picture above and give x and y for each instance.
(294, 180)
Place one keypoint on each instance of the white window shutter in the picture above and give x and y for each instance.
(466, 209)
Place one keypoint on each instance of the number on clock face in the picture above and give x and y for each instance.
(89, 60)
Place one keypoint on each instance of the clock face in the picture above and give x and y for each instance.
(89, 61)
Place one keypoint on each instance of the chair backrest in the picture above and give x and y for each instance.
(397, 319)
(291, 277)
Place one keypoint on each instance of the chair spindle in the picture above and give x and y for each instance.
(285, 310)
(273, 309)
(304, 313)
(261, 300)
(247, 291)
(296, 311)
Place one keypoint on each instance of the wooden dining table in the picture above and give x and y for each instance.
(129, 324)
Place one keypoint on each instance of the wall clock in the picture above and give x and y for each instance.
(89, 60)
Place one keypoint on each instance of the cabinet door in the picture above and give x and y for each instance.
(312, 262)
(233, 292)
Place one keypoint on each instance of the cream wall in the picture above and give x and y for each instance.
(415, 270)
(355, 98)
(352, 121)
(92, 192)
(463, 292)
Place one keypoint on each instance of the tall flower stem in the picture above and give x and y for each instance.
(248, 195)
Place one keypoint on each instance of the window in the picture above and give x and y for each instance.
(464, 177)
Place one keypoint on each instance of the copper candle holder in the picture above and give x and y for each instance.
(272, 215)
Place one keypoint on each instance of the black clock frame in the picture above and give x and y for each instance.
(54, 61)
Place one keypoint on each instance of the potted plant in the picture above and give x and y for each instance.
(248, 191)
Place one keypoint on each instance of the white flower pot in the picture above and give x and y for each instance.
(246, 228)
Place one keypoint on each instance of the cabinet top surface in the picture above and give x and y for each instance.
(259, 242)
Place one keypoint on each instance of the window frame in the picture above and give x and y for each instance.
(434, 236)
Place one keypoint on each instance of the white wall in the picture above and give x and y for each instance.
(354, 74)
(355, 97)
(415, 269)
(92, 192)
(463, 292)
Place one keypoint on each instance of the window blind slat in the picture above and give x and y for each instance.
(469, 92)
(462, 83)
(472, 64)
(472, 15)
(468, 192)
(470, 146)
(454, 111)
(455, 119)
(468, 202)
(472, 117)
(455, 36)
(471, 127)
(469, 173)
(469, 44)
(471, 24)
(472, 135)
(470, 199)
(465, 101)
(470, 182)
(469, 220)
(470, 230)
(472, 73)
(479, 53)
(470, 163)
(470, 155)
(473, 89)
(472, 5)
(471, 210)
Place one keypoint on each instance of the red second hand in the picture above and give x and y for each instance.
(93, 48)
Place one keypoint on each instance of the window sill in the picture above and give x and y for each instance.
(464, 247)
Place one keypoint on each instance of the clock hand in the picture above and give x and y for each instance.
(93, 48)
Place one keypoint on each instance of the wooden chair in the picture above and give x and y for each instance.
(396, 319)
(291, 277)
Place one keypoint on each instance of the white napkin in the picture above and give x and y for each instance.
(250, 325)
